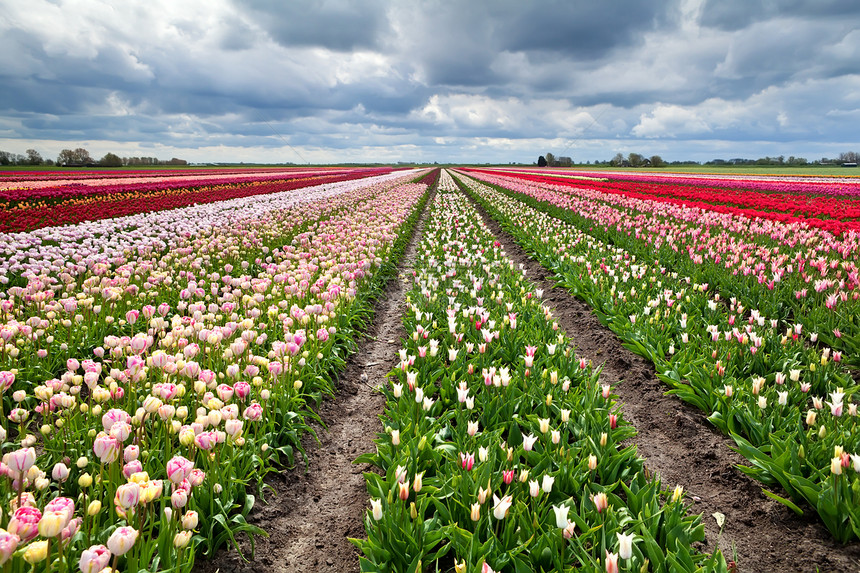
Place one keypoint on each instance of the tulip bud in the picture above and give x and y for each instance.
(376, 508)
(475, 513)
(181, 539)
(94, 507)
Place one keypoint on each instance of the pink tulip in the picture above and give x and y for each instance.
(8, 545)
(611, 562)
(196, 478)
(131, 468)
(225, 392)
(243, 389)
(6, 380)
(20, 461)
(253, 413)
(25, 523)
(70, 530)
(94, 559)
(178, 469)
(467, 461)
(127, 495)
(122, 540)
(64, 505)
(106, 448)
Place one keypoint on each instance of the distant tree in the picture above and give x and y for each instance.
(83, 156)
(657, 161)
(79, 156)
(5, 158)
(550, 159)
(635, 159)
(66, 157)
(541, 161)
(564, 161)
(111, 160)
(33, 157)
(849, 157)
(618, 160)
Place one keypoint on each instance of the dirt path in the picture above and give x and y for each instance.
(679, 444)
(311, 514)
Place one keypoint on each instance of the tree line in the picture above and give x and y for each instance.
(639, 160)
(80, 157)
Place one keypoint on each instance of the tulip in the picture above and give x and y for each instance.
(25, 523)
(8, 545)
(475, 513)
(600, 501)
(127, 495)
(36, 552)
(94, 559)
(106, 448)
(534, 488)
(376, 508)
(561, 520)
(467, 461)
(836, 466)
(543, 425)
(60, 472)
(472, 428)
(611, 562)
(122, 540)
(501, 506)
(404, 490)
(182, 538)
(625, 545)
(178, 469)
(529, 442)
(20, 461)
(546, 484)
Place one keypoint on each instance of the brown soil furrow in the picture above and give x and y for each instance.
(310, 515)
(679, 444)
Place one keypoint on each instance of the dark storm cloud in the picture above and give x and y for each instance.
(553, 33)
(340, 25)
(735, 15)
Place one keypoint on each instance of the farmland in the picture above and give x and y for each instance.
(466, 369)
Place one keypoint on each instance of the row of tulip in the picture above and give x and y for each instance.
(52, 178)
(833, 186)
(787, 271)
(784, 398)
(836, 214)
(29, 209)
(502, 451)
(144, 400)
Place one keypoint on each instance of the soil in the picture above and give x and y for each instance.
(311, 514)
(683, 448)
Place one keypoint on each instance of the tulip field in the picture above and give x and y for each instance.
(167, 338)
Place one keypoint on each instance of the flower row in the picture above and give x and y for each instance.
(785, 271)
(29, 209)
(158, 390)
(784, 399)
(501, 449)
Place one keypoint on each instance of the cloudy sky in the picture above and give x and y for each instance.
(430, 80)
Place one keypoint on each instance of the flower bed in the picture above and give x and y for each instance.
(785, 400)
(146, 394)
(502, 451)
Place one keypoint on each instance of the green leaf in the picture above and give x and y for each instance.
(783, 501)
